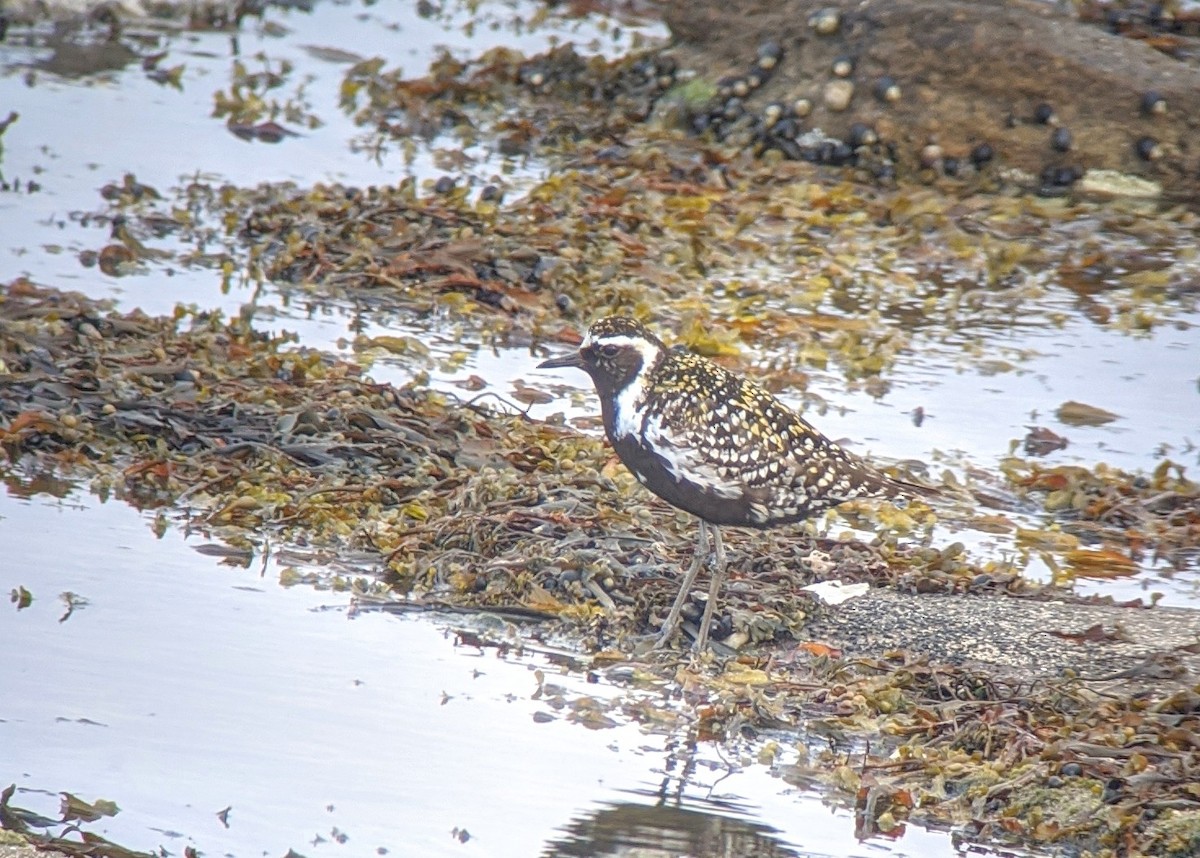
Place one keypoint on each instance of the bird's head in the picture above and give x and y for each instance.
(613, 353)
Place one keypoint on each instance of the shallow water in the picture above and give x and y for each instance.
(77, 133)
(185, 686)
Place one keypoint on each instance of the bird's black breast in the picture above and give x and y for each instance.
(704, 502)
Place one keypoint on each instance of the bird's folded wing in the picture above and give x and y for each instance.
(746, 442)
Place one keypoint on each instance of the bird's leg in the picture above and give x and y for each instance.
(689, 578)
(714, 588)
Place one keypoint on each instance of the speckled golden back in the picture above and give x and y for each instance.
(706, 401)
(786, 468)
(713, 443)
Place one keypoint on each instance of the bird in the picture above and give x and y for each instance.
(714, 444)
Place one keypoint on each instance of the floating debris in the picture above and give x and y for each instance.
(1041, 441)
(1081, 414)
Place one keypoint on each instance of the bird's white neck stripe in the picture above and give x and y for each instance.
(626, 420)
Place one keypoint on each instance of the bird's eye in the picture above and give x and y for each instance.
(609, 350)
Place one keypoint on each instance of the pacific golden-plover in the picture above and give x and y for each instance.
(714, 444)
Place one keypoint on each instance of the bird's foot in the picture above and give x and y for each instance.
(664, 637)
(654, 642)
(645, 645)
(685, 628)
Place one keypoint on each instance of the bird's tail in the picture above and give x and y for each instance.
(894, 488)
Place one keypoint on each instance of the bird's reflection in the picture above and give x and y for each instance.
(672, 820)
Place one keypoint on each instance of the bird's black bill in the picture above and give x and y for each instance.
(574, 359)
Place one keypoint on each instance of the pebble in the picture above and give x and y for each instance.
(840, 154)
(769, 55)
(1112, 183)
(887, 90)
(1055, 179)
(1044, 114)
(1153, 104)
(862, 134)
(786, 128)
(1148, 149)
(843, 67)
(837, 94)
(737, 640)
(825, 22)
(1060, 140)
(982, 154)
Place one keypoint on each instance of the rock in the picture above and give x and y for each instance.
(1113, 184)
(837, 94)
(969, 73)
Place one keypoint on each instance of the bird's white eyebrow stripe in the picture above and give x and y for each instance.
(647, 349)
(615, 339)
